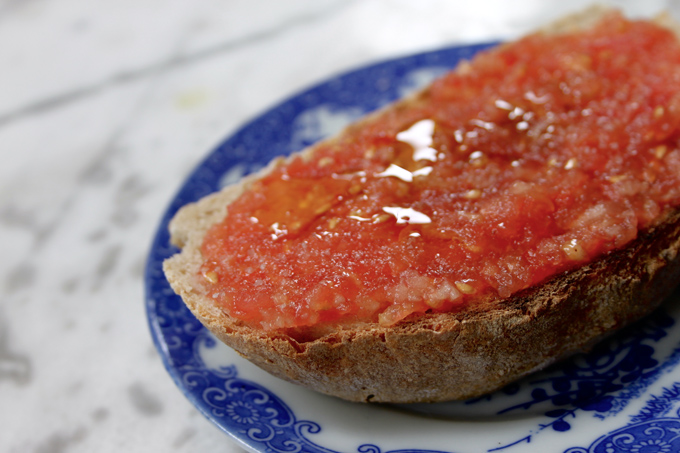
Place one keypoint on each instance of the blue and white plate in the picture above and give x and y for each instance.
(624, 396)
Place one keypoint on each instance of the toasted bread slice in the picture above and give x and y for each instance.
(441, 356)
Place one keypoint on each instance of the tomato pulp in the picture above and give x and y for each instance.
(533, 158)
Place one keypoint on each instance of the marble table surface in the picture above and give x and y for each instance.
(105, 107)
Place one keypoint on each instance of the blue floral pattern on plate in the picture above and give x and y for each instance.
(585, 400)
(650, 432)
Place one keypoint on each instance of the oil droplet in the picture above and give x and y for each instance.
(407, 216)
(402, 173)
(571, 164)
(503, 105)
(533, 97)
(278, 230)
(419, 136)
(425, 154)
(483, 124)
(397, 172)
(423, 171)
(516, 113)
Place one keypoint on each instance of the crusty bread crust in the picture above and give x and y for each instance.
(444, 356)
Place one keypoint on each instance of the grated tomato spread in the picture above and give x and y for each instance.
(530, 160)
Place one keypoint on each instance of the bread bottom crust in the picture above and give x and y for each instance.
(440, 357)
(445, 356)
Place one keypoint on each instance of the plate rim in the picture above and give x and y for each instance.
(160, 236)
(179, 198)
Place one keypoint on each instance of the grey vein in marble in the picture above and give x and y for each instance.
(183, 437)
(129, 192)
(145, 402)
(61, 442)
(21, 218)
(70, 285)
(22, 276)
(106, 266)
(171, 63)
(100, 414)
(14, 367)
(7, 6)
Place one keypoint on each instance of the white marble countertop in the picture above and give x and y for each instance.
(105, 107)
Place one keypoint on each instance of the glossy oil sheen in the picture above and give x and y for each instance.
(539, 156)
